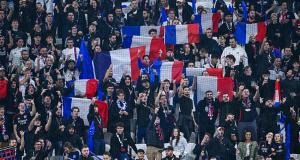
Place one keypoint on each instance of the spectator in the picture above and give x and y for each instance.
(208, 112)
(265, 147)
(76, 122)
(85, 153)
(37, 153)
(134, 17)
(219, 146)
(119, 143)
(267, 113)
(247, 113)
(170, 154)
(186, 121)
(238, 53)
(143, 113)
(276, 70)
(70, 152)
(183, 11)
(279, 147)
(179, 143)
(98, 137)
(200, 149)
(155, 138)
(140, 154)
(247, 149)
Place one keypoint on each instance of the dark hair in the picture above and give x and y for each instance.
(140, 150)
(152, 30)
(230, 56)
(75, 108)
(85, 146)
(177, 137)
(184, 87)
(120, 124)
(208, 91)
(232, 38)
(145, 56)
(120, 91)
(244, 134)
(107, 153)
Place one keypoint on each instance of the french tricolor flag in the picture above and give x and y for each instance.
(129, 31)
(84, 105)
(218, 72)
(85, 87)
(153, 45)
(180, 34)
(243, 31)
(209, 20)
(214, 84)
(169, 70)
(277, 95)
(122, 60)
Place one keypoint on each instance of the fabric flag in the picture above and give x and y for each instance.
(169, 70)
(122, 60)
(215, 84)
(153, 45)
(163, 17)
(3, 88)
(194, 71)
(103, 111)
(218, 72)
(245, 13)
(214, 9)
(230, 9)
(208, 20)
(83, 105)
(90, 136)
(85, 87)
(180, 34)
(86, 65)
(194, 6)
(244, 31)
(277, 95)
(129, 31)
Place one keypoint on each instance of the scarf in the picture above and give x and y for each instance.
(246, 103)
(210, 113)
(121, 105)
(159, 132)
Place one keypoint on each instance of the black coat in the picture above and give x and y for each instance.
(115, 145)
(152, 137)
(222, 149)
(115, 117)
(187, 13)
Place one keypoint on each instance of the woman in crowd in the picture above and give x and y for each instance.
(179, 143)
(247, 149)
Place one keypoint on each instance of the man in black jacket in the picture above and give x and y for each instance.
(220, 146)
(183, 11)
(134, 17)
(76, 122)
(155, 138)
(85, 153)
(119, 143)
(98, 137)
(169, 154)
(208, 112)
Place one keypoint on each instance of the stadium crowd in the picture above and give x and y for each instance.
(39, 47)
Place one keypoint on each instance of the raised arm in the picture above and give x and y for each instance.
(49, 121)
